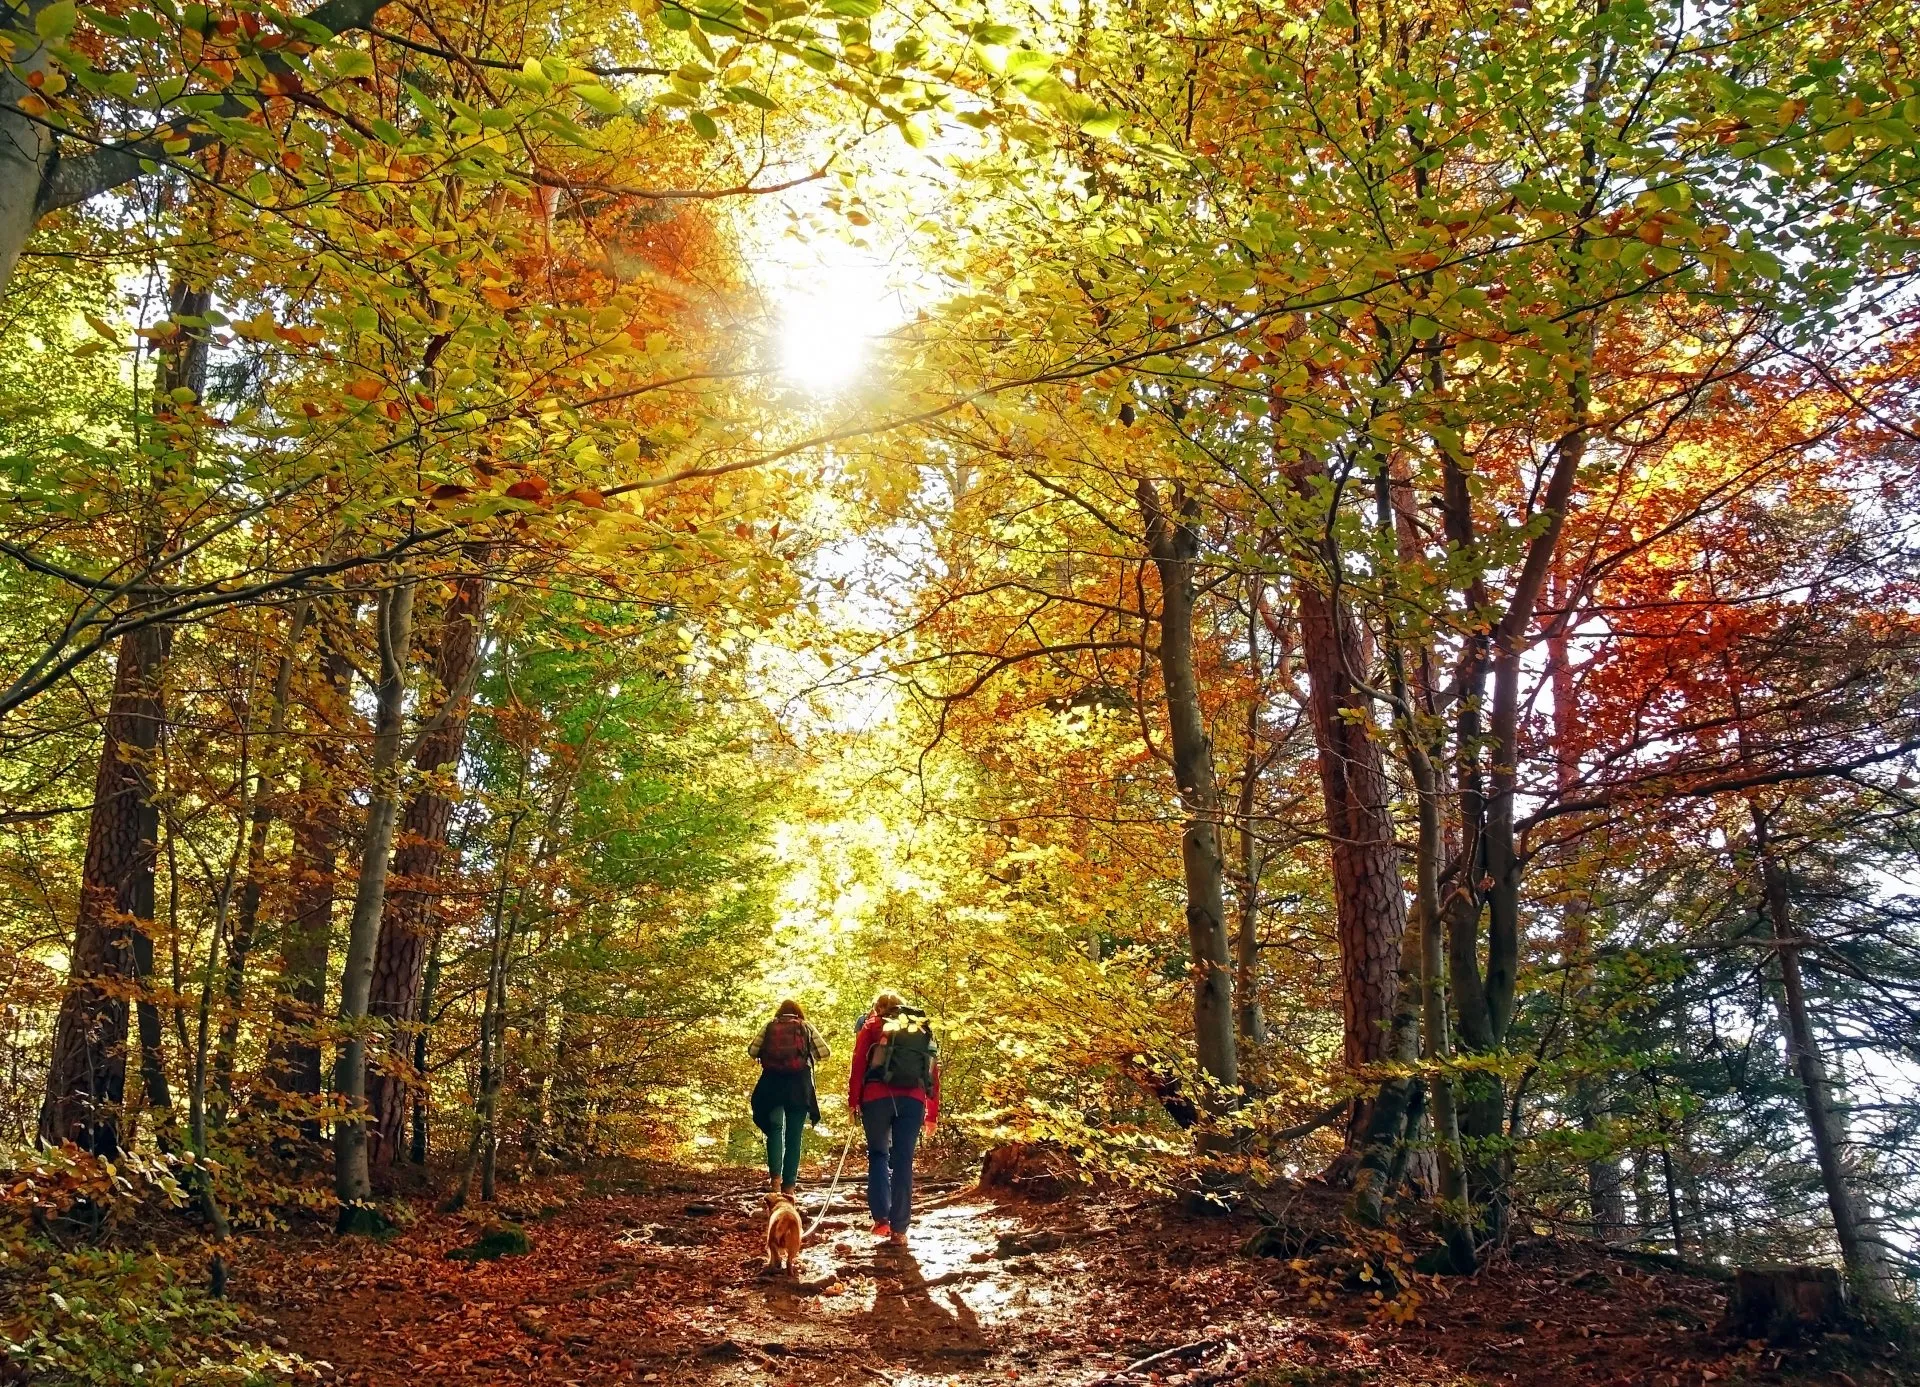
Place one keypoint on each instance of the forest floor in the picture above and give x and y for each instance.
(658, 1279)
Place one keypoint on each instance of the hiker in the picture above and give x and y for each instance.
(784, 1100)
(894, 1086)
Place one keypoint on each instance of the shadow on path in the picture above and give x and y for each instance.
(911, 1319)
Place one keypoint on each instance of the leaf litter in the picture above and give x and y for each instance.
(637, 1285)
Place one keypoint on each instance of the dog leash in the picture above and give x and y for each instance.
(834, 1188)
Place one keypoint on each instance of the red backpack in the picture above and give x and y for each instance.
(785, 1049)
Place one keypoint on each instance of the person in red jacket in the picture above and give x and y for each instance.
(893, 1114)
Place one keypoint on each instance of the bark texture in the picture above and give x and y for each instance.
(1859, 1247)
(112, 957)
(1175, 545)
(352, 1183)
(26, 147)
(294, 1065)
(1369, 899)
(87, 1070)
(413, 886)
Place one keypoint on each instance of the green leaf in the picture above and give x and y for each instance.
(600, 99)
(56, 21)
(351, 62)
(704, 123)
(1102, 125)
(677, 20)
(753, 98)
(1027, 65)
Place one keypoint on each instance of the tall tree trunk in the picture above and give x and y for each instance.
(414, 886)
(352, 1183)
(429, 993)
(294, 1062)
(1174, 546)
(112, 954)
(1606, 1198)
(26, 145)
(1859, 1248)
(246, 917)
(86, 1076)
(1250, 1022)
(1369, 900)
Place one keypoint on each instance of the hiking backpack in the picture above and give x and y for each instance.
(785, 1049)
(903, 1056)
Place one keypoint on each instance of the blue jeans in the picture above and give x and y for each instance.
(893, 1131)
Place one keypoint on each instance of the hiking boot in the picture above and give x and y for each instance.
(789, 1190)
(896, 1239)
(881, 1230)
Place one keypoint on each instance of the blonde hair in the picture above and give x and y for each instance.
(887, 1003)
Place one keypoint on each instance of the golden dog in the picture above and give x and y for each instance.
(783, 1234)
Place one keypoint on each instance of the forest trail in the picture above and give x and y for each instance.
(659, 1281)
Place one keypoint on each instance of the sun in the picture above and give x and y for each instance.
(833, 304)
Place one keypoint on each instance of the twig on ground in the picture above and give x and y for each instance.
(1165, 1355)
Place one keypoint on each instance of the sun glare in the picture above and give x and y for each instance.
(832, 305)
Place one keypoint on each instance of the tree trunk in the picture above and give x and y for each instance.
(246, 918)
(429, 992)
(26, 145)
(1174, 546)
(1250, 1022)
(1859, 1248)
(1369, 900)
(113, 947)
(1436, 1041)
(1606, 1200)
(414, 886)
(294, 1063)
(352, 1183)
(86, 1076)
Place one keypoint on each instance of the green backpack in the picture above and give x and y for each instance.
(904, 1054)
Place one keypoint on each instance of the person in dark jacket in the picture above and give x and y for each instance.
(784, 1101)
(893, 1117)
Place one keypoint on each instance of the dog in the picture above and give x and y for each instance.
(783, 1234)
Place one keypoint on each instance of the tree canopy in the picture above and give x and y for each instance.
(1331, 586)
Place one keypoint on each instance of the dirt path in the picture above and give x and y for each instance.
(659, 1281)
(666, 1285)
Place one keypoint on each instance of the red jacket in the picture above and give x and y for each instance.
(861, 1090)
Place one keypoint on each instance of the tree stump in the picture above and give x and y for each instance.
(1782, 1304)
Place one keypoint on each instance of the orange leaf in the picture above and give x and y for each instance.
(366, 388)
